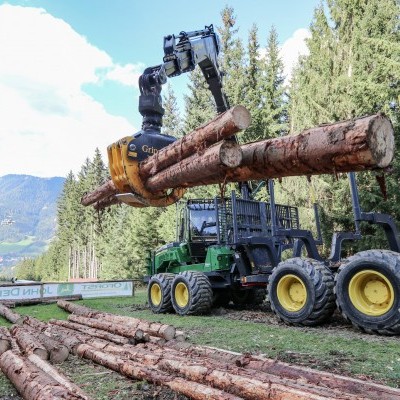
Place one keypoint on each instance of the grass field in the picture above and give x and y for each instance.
(335, 347)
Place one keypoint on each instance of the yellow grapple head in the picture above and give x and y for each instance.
(124, 169)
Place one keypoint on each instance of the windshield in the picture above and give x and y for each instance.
(202, 223)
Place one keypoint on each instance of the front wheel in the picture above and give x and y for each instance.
(191, 293)
(300, 292)
(368, 291)
(159, 293)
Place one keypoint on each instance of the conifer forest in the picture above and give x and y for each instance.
(352, 69)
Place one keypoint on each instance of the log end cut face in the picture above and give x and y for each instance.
(381, 141)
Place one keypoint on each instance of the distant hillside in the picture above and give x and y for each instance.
(28, 207)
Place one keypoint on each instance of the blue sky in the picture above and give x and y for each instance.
(76, 64)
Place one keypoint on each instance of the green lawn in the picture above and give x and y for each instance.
(9, 247)
(343, 351)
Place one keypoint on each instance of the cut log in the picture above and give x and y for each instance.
(256, 364)
(134, 370)
(5, 339)
(129, 332)
(10, 315)
(77, 309)
(34, 323)
(221, 127)
(105, 190)
(91, 331)
(216, 160)
(58, 376)
(164, 331)
(106, 202)
(58, 353)
(356, 145)
(28, 343)
(31, 382)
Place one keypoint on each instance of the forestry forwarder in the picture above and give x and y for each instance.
(230, 249)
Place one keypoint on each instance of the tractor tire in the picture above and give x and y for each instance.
(368, 291)
(159, 293)
(300, 292)
(191, 293)
(254, 297)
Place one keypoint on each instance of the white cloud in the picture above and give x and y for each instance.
(48, 125)
(292, 49)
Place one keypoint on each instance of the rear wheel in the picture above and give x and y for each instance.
(301, 292)
(253, 297)
(368, 291)
(159, 293)
(191, 293)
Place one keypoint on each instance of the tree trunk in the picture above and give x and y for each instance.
(28, 343)
(31, 382)
(10, 315)
(129, 332)
(77, 309)
(58, 376)
(138, 371)
(256, 365)
(198, 167)
(356, 145)
(221, 127)
(105, 190)
(91, 331)
(5, 339)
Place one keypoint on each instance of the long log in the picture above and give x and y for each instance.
(257, 364)
(31, 382)
(105, 190)
(58, 376)
(91, 331)
(10, 315)
(5, 339)
(28, 342)
(134, 370)
(152, 328)
(221, 127)
(129, 332)
(356, 145)
(215, 160)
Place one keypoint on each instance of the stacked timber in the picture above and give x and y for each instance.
(204, 157)
(197, 372)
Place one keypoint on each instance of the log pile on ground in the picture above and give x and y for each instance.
(203, 158)
(197, 372)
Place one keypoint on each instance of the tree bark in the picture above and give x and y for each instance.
(28, 343)
(356, 145)
(77, 309)
(58, 376)
(197, 168)
(5, 339)
(92, 332)
(221, 127)
(138, 371)
(129, 332)
(10, 315)
(31, 382)
(102, 191)
(256, 365)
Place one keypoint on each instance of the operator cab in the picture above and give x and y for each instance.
(198, 227)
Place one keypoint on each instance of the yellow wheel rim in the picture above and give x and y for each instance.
(155, 294)
(181, 294)
(292, 293)
(371, 293)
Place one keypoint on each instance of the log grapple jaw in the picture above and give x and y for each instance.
(181, 54)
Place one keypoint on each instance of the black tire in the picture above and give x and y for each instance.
(254, 297)
(191, 293)
(378, 315)
(315, 303)
(160, 284)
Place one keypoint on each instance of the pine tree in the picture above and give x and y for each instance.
(172, 123)
(275, 103)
